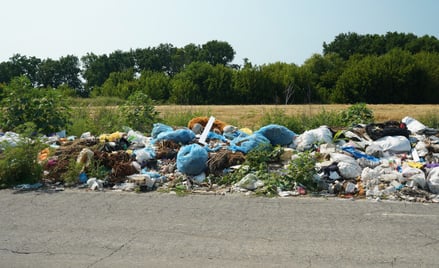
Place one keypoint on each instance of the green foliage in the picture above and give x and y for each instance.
(276, 116)
(258, 158)
(118, 84)
(302, 122)
(302, 170)
(327, 118)
(217, 52)
(390, 78)
(96, 120)
(357, 114)
(97, 170)
(430, 120)
(81, 121)
(18, 164)
(22, 103)
(155, 84)
(348, 44)
(95, 101)
(139, 112)
(71, 176)
(106, 120)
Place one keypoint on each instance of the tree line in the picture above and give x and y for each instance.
(390, 68)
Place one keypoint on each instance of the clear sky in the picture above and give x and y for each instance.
(264, 31)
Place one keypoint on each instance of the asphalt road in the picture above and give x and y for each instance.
(108, 229)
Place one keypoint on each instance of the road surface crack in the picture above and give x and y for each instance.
(114, 251)
(22, 252)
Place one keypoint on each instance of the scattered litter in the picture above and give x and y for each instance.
(381, 161)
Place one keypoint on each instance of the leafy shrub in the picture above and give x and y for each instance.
(302, 170)
(96, 101)
(139, 112)
(328, 118)
(97, 170)
(106, 120)
(357, 114)
(71, 176)
(18, 164)
(22, 103)
(81, 121)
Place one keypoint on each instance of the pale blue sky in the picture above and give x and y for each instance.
(264, 31)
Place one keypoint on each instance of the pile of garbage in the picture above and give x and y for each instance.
(391, 160)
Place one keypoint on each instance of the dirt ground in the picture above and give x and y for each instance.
(249, 115)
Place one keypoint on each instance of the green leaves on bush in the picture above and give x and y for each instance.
(357, 114)
(18, 164)
(139, 112)
(302, 170)
(22, 103)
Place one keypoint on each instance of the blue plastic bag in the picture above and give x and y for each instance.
(235, 134)
(277, 134)
(246, 144)
(357, 154)
(183, 136)
(159, 128)
(192, 159)
(214, 136)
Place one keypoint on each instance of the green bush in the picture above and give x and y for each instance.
(81, 121)
(19, 164)
(139, 112)
(22, 103)
(357, 114)
(71, 176)
(106, 120)
(96, 120)
(302, 170)
(95, 101)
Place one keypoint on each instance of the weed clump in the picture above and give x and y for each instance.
(19, 163)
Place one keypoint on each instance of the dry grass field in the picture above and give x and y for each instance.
(249, 115)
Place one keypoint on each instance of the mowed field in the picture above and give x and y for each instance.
(250, 115)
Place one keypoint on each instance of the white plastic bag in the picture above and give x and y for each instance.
(349, 170)
(414, 177)
(433, 180)
(413, 125)
(310, 137)
(394, 144)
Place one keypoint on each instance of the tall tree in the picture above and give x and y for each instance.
(217, 52)
(390, 78)
(325, 70)
(20, 65)
(282, 77)
(156, 85)
(350, 44)
(118, 84)
(95, 70)
(190, 85)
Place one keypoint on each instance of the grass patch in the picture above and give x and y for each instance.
(430, 119)
(179, 119)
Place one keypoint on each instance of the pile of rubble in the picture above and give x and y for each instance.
(390, 160)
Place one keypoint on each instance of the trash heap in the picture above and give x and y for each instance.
(391, 160)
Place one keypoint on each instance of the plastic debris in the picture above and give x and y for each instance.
(191, 159)
(351, 165)
(278, 135)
